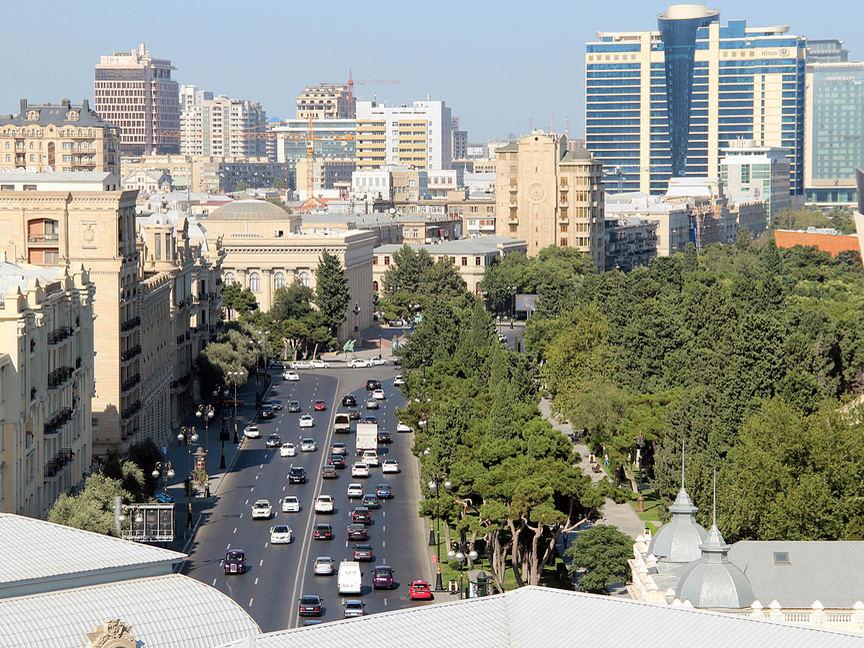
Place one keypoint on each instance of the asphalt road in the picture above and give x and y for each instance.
(277, 575)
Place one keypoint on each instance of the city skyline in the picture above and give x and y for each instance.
(485, 54)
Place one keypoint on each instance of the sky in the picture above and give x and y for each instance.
(502, 67)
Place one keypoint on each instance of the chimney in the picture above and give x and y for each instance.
(85, 105)
(23, 106)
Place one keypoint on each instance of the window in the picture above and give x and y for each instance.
(303, 278)
(29, 187)
(563, 242)
(255, 282)
(386, 260)
(477, 261)
(279, 280)
(230, 279)
(513, 227)
(464, 261)
(563, 228)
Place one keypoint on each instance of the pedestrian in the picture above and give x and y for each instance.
(605, 459)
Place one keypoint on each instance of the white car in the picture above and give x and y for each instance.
(308, 445)
(291, 375)
(324, 504)
(281, 534)
(252, 432)
(377, 362)
(291, 504)
(359, 363)
(390, 466)
(324, 566)
(319, 364)
(262, 510)
(399, 380)
(378, 394)
(402, 427)
(307, 421)
(355, 490)
(370, 457)
(288, 450)
(301, 364)
(359, 470)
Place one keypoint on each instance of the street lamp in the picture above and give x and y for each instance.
(356, 310)
(434, 485)
(207, 412)
(189, 435)
(163, 469)
(235, 378)
(512, 290)
(459, 557)
(640, 443)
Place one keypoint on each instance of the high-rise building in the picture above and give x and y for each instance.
(834, 124)
(663, 103)
(223, 127)
(547, 195)
(330, 138)
(325, 101)
(61, 137)
(136, 93)
(418, 135)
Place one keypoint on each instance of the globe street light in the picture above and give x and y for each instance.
(188, 435)
(235, 378)
(434, 485)
(512, 290)
(459, 557)
(163, 469)
(206, 412)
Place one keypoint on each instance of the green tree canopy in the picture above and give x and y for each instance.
(331, 289)
(599, 558)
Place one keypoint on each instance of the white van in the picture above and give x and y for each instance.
(350, 580)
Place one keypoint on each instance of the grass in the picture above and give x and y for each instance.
(652, 506)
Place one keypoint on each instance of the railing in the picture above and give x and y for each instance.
(57, 462)
(57, 421)
(130, 411)
(130, 324)
(59, 376)
(131, 353)
(126, 385)
(43, 238)
(59, 334)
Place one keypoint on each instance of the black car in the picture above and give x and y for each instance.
(354, 415)
(384, 437)
(382, 577)
(276, 405)
(349, 400)
(329, 472)
(373, 384)
(370, 419)
(297, 475)
(323, 532)
(357, 532)
(266, 412)
(337, 460)
(311, 606)
(363, 552)
(361, 515)
(293, 406)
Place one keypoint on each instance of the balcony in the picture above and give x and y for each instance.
(54, 465)
(59, 376)
(51, 239)
(60, 418)
(130, 411)
(126, 385)
(131, 353)
(59, 334)
(130, 324)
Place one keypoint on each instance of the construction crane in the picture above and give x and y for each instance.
(310, 154)
(352, 112)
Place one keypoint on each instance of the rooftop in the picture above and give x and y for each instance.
(478, 245)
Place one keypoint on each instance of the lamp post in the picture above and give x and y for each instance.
(640, 443)
(163, 469)
(512, 290)
(190, 436)
(356, 310)
(206, 412)
(459, 556)
(435, 485)
(235, 378)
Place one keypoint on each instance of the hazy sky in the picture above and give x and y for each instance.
(498, 65)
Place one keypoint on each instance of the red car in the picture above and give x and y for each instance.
(419, 590)
(319, 406)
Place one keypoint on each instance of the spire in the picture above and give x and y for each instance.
(682, 464)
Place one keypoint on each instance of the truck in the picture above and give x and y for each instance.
(349, 580)
(367, 437)
(342, 423)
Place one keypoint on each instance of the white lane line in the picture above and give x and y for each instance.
(250, 602)
(256, 477)
(385, 601)
(235, 529)
(213, 584)
(261, 466)
(261, 564)
(246, 503)
(256, 581)
(383, 529)
(383, 543)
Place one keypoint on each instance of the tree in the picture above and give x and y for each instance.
(292, 302)
(239, 300)
(93, 508)
(331, 290)
(599, 558)
(240, 186)
(406, 270)
(278, 183)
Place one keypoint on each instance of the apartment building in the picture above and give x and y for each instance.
(223, 127)
(136, 93)
(329, 139)
(325, 101)
(753, 174)
(547, 195)
(46, 384)
(673, 220)
(61, 137)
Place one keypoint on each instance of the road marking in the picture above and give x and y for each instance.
(250, 602)
(385, 600)
(383, 543)
(235, 529)
(256, 477)
(261, 466)
(246, 503)
(261, 564)
(383, 528)
(256, 581)
(214, 583)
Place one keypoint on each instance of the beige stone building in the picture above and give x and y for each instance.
(265, 248)
(325, 101)
(46, 384)
(209, 174)
(549, 196)
(59, 137)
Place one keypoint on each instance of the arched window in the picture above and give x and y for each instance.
(230, 279)
(255, 282)
(279, 280)
(303, 278)
(375, 286)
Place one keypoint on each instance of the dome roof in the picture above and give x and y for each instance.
(713, 581)
(246, 210)
(678, 540)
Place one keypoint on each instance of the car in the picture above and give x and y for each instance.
(355, 490)
(329, 472)
(373, 384)
(384, 437)
(308, 444)
(310, 606)
(371, 501)
(319, 364)
(358, 363)
(324, 566)
(319, 405)
(311, 622)
(354, 608)
(359, 469)
(293, 406)
(273, 441)
(288, 450)
(370, 419)
(371, 403)
(262, 510)
(361, 515)
(353, 415)
(281, 534)
(324, 504)
(300, 364)
(337, 460)
(378, 394)
(235, 562)
(164, 498)
(275, 364)
(276, 405)
(390, 466)
(291, 375)
(370, 457)
(357, 532)
(349, 400)
(398, 380)
(307, 421)
(266, 412)
(383, 491)
(419, 589)
(363, 552)
(402, 427)
(338, 449)
(252, 432)
(297, 475)
(323, 532)
(290, 504)
(382, 577)
(377, 362)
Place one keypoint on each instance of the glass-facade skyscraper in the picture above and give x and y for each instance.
(663, 103)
